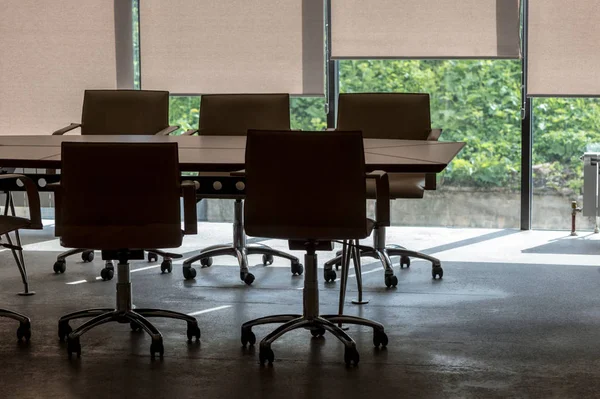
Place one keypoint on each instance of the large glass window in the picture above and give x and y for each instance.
(475, 101)
(562, 128)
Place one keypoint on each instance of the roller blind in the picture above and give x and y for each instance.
(233, 46)
(50, 51)
(563, 51)
(425, 29)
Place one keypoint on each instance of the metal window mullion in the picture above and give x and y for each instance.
(526, 134)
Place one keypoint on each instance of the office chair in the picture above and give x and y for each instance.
(11, 223)
(304, 163)
(390, 116)
(120, 112)
(233, 115)
(133, 205)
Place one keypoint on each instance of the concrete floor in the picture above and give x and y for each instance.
(516, 315)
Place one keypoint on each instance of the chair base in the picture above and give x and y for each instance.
(24, 329)
(16, 247)
(87, 255)
(383, 253)
(310, 319)
(240, 249)
(123, 313)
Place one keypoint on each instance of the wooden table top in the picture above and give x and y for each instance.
(227, 153)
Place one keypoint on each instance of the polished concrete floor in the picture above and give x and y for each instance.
(516, 315)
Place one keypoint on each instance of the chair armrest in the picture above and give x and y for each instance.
(166, 131)
(190, 222)
(189, 132)
(430, 178)
(382, 193)
(434, 135)
(33, 197)
(57, 189)
(65, 129)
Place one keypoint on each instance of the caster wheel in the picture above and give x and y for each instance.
(404, 261)
(135, 326)
(87, 256)
(391, 281)
(156, 347)
(329, 275)
(73, 347)
(317, 332)
(266, 355)
(380, 338)
(248, 337)
(189, 273)
(107, 274)
(166, 266)
(60, 266)
(64, 329)
(297, 269)
(193, 331)
(248, 278)
(351, 356)
(152, 257)
(206, 262)
(437, 272)
(267, 260)
(24, 331)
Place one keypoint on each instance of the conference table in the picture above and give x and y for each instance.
(212, 154)
(227, 153)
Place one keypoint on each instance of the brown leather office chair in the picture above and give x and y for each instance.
(331, 164)
(390, 116)
(10, 223)
(120, 112)
(233, 115)
(133, 205)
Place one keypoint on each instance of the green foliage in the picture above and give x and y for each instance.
(563, 128)
(308, 113)
(184, 112)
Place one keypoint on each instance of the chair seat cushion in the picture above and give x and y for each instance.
(12, 223)
(402, 185)
(120, 237)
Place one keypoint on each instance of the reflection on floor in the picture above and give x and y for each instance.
(516, 315)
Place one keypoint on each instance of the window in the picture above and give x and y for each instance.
(563, 127)
(475, 101)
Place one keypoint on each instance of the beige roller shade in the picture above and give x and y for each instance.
(50, 51)
(233, 46)
(563, 51)
(425, 29)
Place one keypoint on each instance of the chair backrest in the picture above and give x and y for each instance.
(385, 115)
(114, 112)
(305, 185)
(235, 114)
(117, 196)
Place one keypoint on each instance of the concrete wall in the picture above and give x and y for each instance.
(460, 208)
